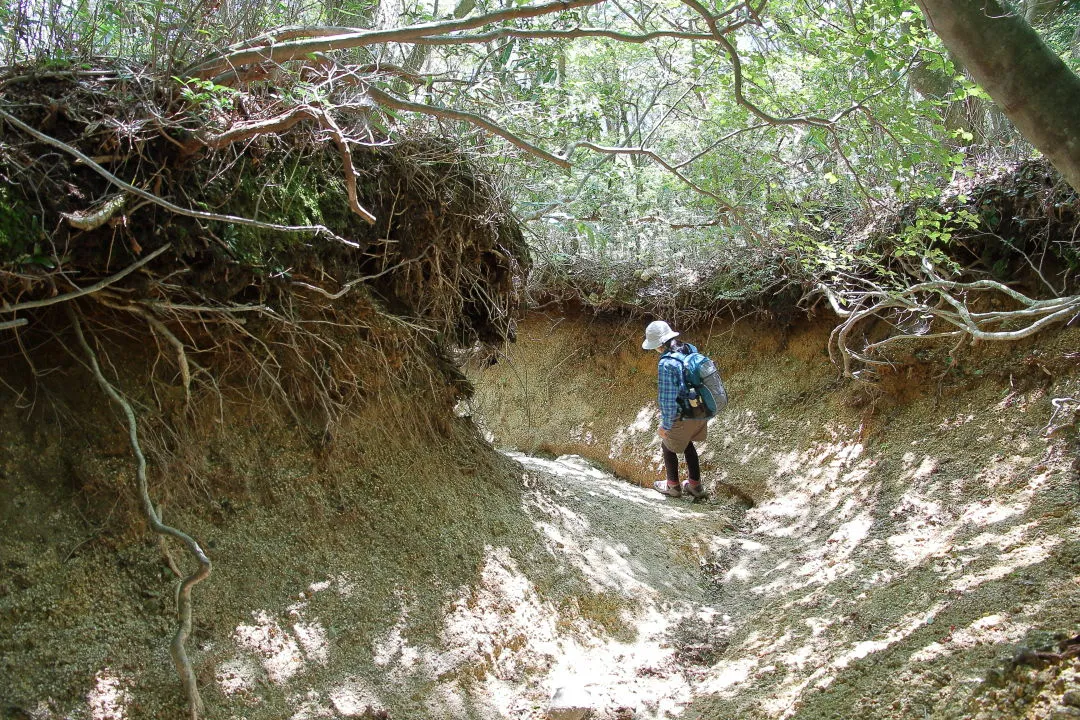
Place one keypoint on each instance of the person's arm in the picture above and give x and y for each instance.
(668, 381)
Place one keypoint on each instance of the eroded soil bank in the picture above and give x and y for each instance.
(909, 547)
(910, 552)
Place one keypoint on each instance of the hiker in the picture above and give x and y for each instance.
(681, 425)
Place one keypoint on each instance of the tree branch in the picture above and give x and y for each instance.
(725, 205)
(297, 49)
(576, 33)
(479, 121)
(737, 74)
(10, 324)
(31, 304)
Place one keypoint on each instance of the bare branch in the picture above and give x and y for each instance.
(31, 304)
(725, 205)
(11, 324)
(319, 229)
(346, 160)
(737, 74)
(256, 128)
(479, 121)
(297, 49)
(576, 33)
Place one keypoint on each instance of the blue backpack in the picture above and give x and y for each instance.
(702, 380)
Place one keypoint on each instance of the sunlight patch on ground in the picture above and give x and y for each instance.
(823, 524)
(352, 698)
(582, 434)
(239, 675)
(579, 470)
(355, 697)
(500, 631)
(1023, 556)
(279, 653)
(392, 646)
(989, 630)
(831, 479)
(988, 511)
(624, 436)
(109, 698)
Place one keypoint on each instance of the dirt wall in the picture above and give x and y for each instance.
(912, 549)
(585, 386)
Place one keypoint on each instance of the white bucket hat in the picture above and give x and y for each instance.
(657, 333)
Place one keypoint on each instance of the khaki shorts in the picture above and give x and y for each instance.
(684, 432)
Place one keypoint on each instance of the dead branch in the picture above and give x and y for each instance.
(31, 304)
(92, 220)
(10, 324)
(183, 594)
(256, 128)
(479, 121)
(280, 52)
(249, 130)
(346, 160)
(200, 214)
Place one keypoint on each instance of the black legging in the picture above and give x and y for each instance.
(671, 465)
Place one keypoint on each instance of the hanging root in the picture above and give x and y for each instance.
(183, 594)
(940, 301)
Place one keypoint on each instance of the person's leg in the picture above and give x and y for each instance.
(693, 469)
(692, 486)
(671, 467)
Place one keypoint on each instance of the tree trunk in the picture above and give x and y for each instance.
(1008, 59)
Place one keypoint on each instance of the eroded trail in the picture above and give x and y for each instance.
(645, 553)
(839, 592)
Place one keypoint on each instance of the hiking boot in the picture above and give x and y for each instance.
(694, 489)
(663, 488)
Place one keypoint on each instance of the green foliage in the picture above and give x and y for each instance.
(205, 96)
(292, 192)
(1059, 32)
(930, 235)
(21, 236)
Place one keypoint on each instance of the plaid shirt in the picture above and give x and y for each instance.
(672, 389)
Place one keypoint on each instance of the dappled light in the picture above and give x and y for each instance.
(109, 698)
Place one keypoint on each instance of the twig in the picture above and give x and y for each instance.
(86, 290)
(183, 593)
(280, 52)
(9, 324)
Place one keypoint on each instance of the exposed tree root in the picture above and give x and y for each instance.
(915, 311)
(183, 594)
